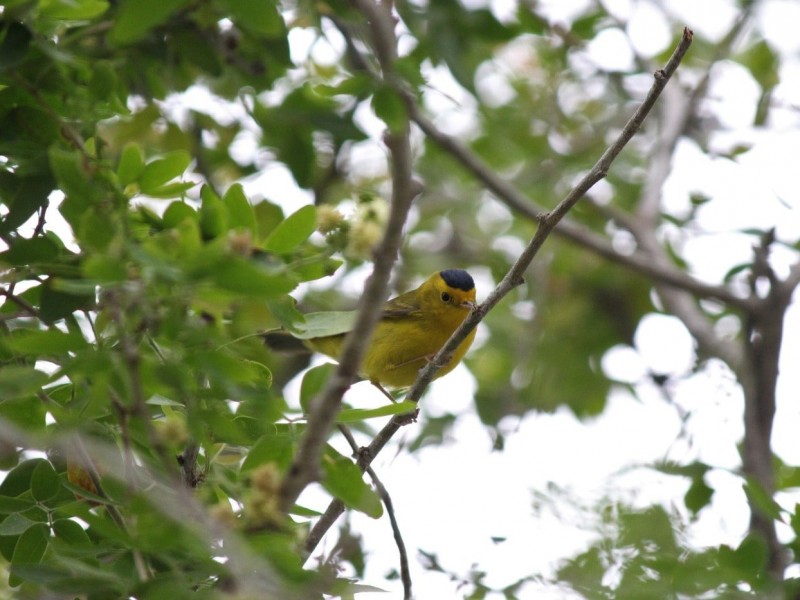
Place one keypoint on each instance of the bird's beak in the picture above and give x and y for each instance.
(468, 304)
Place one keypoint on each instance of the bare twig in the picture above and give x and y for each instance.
(405, 572)
(305, 467)
(547, 223)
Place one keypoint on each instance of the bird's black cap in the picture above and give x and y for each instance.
(456, 278)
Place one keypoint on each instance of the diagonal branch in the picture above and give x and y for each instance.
(514, 277)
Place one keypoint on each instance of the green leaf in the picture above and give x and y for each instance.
(276, 447)
(245, 277)
(70, 532)
(268, 217)
(761, 500)
(698, 496)
(26, 411)
(15, 524)
(69, 10)
(45, 483)
(137, 17)
(177, 212)
(162, 170)
(57, 304)
(34, 342)
(344, 480)
(748, 560)
(322, 324)
(261, 17)
(313, 382)
(168, 191)
(15, 40)
(74, 180)
(17, 381)
(14, 505)
(350, 415)
(131, 164)
(391, 109)
(30, 251)
(28, 194)
(213, 214)
(293, 231)
(284, 308)
(103, 269)
(29, 550)
(240, 211)
(763, 64)
(18, 479)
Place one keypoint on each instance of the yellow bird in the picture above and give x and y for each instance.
(412, 329)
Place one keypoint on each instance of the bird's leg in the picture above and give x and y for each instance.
(382, 389)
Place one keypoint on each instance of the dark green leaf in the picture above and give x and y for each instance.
(70, 532)
(137, 17)
(261, 17)
(30, 251)
(13, 505)
(57, 304)
(28, 195)
(18, 480)
(45, 483)
(29, 550)
(698, 495)
(15, 39)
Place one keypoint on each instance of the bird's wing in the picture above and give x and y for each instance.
(405, 305)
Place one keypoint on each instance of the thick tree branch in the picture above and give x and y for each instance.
(547, 223)
(322, 416)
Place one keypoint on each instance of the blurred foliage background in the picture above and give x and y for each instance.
(171, 171)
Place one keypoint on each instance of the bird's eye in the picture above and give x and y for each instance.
(445, 297)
